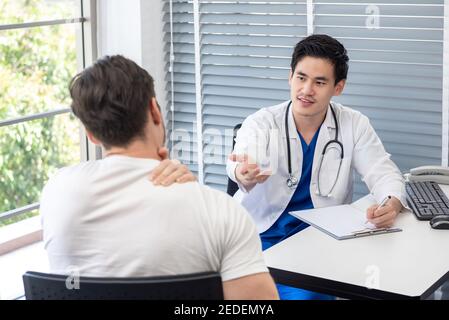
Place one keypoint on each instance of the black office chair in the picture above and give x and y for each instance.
(232, 186)
(197, 286)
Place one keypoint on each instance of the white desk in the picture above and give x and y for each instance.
(408, 264)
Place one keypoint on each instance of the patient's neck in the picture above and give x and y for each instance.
(138, 148)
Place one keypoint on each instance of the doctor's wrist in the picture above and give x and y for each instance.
(396, 203)
(242, 180)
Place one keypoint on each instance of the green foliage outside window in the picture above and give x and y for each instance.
(36, 65)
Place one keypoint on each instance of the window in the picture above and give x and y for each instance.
(395, 74)
(41, 48)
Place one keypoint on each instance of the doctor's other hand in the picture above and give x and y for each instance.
(247, 172)
(383, 217)
(169, 172)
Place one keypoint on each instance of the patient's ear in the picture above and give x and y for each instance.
(92, 138)
(155, 111)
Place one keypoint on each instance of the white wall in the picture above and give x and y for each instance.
(152, 45)
(133, 28)
(119, 28)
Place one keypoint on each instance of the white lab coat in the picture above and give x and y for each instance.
(363, 152)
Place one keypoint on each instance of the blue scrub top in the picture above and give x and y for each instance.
(287, 225)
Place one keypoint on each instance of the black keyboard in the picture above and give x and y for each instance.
(426, 199)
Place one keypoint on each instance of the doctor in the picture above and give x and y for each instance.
(311, 146)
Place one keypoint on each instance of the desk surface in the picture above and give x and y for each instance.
(408, 264)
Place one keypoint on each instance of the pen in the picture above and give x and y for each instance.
(382, 204)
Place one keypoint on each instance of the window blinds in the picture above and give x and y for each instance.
(395, 77)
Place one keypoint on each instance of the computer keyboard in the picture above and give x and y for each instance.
(426, 199)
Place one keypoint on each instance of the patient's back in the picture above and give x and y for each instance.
(105, 218)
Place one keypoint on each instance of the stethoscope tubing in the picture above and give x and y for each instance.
(293, 181)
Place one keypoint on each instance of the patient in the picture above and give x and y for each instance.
(107, 219)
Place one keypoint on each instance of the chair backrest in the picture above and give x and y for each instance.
(197, 286)
(232, 186)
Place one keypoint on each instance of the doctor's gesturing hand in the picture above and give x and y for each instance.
(247, 172)
(384, 216)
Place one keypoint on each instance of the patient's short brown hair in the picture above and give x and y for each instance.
(111, 98)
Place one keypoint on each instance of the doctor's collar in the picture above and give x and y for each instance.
(329, 119)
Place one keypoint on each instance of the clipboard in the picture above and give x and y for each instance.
(341, 222)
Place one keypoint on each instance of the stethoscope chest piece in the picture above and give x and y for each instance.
(292, 182)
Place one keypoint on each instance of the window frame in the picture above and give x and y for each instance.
(86, 52)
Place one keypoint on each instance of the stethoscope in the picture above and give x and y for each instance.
(292, 181)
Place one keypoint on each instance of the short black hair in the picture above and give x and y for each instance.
(325, 47)
(111, 98)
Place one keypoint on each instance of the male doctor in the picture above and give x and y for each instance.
(313, 146)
